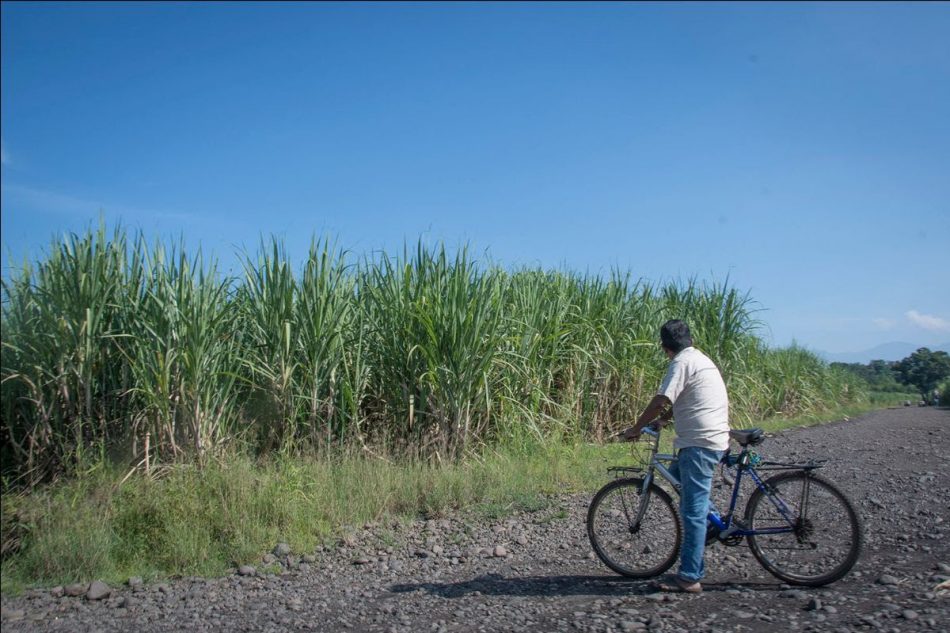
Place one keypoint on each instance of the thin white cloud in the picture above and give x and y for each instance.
(928, 321)
(39, 199)
(884, 324)
(53, 202)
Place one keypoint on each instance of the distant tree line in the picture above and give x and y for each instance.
(923, 371)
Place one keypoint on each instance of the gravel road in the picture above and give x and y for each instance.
(536, 571)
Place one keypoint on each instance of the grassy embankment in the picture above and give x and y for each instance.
(284, 406)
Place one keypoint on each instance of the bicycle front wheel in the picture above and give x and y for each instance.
(817, 534)
(635, 549)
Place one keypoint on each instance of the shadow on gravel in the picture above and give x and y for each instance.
(610, 586)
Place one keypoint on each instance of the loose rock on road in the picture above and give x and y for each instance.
(536, 571)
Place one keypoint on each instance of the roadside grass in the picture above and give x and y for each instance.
(892, 398)
(200, 521)
(778, 423)
(191, 521)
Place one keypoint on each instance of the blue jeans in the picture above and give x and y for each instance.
(694, 468)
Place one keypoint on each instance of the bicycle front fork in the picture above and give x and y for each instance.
(644, 502)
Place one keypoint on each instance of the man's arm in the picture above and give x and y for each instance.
(658, 408)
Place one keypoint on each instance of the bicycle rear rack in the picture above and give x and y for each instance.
(623, 470)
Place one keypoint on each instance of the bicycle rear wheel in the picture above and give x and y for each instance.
(636, 551)
(825, 538)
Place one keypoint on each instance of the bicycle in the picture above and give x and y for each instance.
(800, 527)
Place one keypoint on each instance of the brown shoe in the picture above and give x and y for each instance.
(676, 584)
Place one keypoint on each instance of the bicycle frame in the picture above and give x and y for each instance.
(726, 526)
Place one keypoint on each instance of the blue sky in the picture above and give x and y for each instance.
(801, 150)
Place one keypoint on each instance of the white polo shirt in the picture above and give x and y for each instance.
(700, 402)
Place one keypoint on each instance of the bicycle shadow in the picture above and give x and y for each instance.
(563, 586)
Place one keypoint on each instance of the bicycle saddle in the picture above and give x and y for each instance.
(748, 436)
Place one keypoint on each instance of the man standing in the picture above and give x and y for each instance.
(700, 409)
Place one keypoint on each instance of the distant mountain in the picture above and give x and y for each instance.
(885, 351)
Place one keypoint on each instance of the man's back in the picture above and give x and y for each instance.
(700, 402)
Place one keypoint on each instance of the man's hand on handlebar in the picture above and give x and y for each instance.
(632, 434)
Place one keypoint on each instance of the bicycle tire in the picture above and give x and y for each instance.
(828, 539)
(652, 547)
